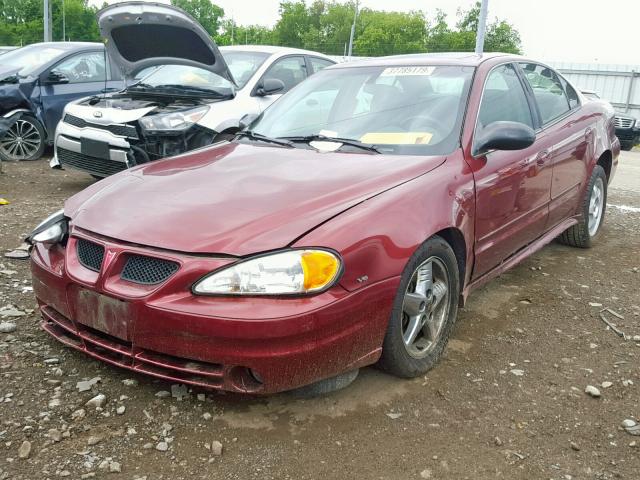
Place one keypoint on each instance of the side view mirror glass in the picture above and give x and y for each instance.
(270, 86)
(56, 76)
(505, 136)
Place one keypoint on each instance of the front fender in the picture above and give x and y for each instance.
(377, 237)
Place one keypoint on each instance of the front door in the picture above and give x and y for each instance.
(512, 187)
(81, 75)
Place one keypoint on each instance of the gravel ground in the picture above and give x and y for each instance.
(507, 401)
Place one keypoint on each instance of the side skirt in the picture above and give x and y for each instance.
(518, 257)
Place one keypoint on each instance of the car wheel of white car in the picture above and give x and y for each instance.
(24, 140)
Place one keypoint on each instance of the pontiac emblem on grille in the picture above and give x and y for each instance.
(97, 114)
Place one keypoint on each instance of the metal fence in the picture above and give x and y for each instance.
(618, 84)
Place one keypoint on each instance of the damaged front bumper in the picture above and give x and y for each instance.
(93, 148)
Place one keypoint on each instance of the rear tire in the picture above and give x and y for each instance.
(594, 206)
(626, 146)
(424, 311)
(24, 141)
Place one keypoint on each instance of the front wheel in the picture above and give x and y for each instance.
(424, 311)
(594, 205)
(24, 140)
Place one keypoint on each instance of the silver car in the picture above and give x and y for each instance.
(191, 94)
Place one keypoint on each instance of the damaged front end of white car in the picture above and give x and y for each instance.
(162, 112)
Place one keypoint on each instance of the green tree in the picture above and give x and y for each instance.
(206, 13)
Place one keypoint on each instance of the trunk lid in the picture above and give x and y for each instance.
(141, 34)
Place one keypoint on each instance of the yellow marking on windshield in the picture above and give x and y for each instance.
(397, 138)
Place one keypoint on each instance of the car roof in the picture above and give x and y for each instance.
(69, 45)
(271, 49)
(465, 59)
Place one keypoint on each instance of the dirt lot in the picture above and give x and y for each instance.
(507, 401)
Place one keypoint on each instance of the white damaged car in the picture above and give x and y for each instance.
(196, 93)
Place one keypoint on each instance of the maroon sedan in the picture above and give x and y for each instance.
(342, 228)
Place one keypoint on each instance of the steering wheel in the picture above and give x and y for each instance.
(427, 124)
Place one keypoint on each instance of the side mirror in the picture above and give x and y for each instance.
(57, 77)
(270, 86)
(505, 136)
(246, 120)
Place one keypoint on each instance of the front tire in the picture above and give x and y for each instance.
(424, 311)
(25, 140)
(594, 206)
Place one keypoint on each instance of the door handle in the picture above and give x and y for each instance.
(542, 157)
(588, 131)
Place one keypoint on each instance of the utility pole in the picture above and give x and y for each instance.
(353, 31)
(47, 21)
(482, 25)
(64, 33)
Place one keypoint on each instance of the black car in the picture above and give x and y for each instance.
(627, 131)
(37, 81)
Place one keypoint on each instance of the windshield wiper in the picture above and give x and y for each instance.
(263, 138)
(345, 141)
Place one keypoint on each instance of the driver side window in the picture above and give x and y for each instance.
(289, 70)
(84, 67)
(503, 99)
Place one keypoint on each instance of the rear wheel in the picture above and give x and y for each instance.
(626, 145)
(24, 140)
(594, 206)
(424, 311)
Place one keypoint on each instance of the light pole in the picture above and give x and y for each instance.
(64, 33)
(353, 31)
(47, 21)
(482, 25)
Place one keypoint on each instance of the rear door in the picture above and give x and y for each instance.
(81, 74)
(512, 187)
(568, 137)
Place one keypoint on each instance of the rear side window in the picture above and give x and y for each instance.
(571, 94)
(318, 64)
(503, 99)
(548, 91)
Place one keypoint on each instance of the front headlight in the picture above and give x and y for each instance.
(284, 273)
(51, 230)
(174, 121)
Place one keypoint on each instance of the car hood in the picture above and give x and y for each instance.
(236, 199)
(7, 71)
(142, 34)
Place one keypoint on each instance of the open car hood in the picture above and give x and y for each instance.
(142, 34)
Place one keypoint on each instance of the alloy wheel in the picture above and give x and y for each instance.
(596, 206)
(425, 307)
(22, 141)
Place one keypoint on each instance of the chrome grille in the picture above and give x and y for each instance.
(623, 122)
(90, 254)
(147, 270)
(128, 131)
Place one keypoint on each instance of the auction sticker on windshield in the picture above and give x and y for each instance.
(397, 138)
(406, 71)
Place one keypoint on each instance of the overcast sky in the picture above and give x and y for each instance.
(604, 31)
